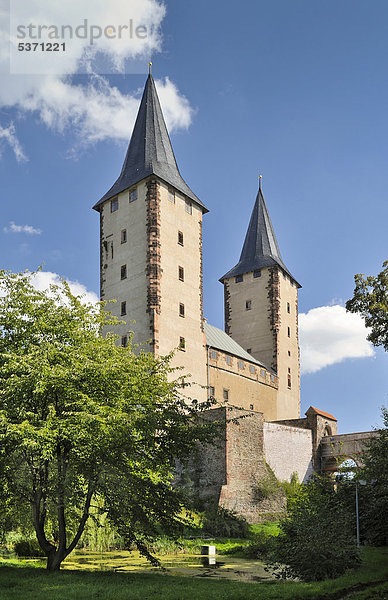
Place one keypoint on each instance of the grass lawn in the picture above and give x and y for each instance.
(21, 582)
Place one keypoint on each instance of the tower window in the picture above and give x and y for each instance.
(251, 406)
(238, 278)
(213, 355)
(289, 381)
(180, 238)
(288, 307)
(123, 236)
(123, 271)
(289, 353)
(228, 359)
(123, 308)
(252, 369)
(124, 341)
(257, 273)
(240, 364)
(181, 273)
(171, 195)
(114, 205)
(182, 344)
(133, 195)
(273, 378)
(181, 310)
(248, 305)
(188, 207)
(288, 332)
(225, 394)
(212, 391)
(262, 372)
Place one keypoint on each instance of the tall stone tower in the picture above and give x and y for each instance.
(261, 308)
(151, 248)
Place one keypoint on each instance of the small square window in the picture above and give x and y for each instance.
(238, 278)
(182, 344)
(262, 372)
(133, 195)
(212, 391)
(213, 355)
(225, 394)
(188, 207)
(171, 195)
(123, 271)
(180, 238)
(124, 341)
(181, 273)
(123, 236)
(240, 364)
(288, 332)
(288, 307)
(251, 406)
(252, 369)
(257, 273)
(181, 309)
(228, 359)
(114, 205)
(123, 308)
(248, 304)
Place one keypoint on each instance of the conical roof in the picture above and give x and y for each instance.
(260, 247)
(150, 151)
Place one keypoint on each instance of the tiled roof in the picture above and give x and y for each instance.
(150, 151)
(260, 248)
(219, 340)
(321, 412)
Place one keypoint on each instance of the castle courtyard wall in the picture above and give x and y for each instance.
(288, 450)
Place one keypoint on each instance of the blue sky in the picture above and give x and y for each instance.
(294, 90)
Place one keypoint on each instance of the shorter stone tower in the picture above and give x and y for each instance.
(261, 308)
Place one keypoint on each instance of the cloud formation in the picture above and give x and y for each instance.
(329, 335)
(42, 280)
(8, 135)
(91, 108)
(13, 228)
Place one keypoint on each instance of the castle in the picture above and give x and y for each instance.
(151, 263)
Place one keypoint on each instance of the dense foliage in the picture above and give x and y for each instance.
(84, 421)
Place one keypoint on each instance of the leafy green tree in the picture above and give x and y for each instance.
(316, 539)
(83, 418)
(370, 300)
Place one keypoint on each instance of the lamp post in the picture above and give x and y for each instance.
(339, 478)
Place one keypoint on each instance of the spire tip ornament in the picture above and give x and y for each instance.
(149, 67)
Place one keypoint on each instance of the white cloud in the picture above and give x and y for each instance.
(8, 135)
(42, 280)
(329, 335)
(94, 110)
(13, 228)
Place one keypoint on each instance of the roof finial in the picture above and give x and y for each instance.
(149, 67)
(260, 176)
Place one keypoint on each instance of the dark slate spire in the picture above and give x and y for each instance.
(260, 248)
(150, 151)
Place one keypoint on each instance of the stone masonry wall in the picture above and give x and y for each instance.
(288, 450)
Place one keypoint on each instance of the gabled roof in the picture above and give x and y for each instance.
(260, 247)
(219, 340)
(312, 409)
(150, 151)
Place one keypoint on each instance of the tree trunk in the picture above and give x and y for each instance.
(54, 560)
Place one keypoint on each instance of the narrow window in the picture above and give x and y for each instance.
(123, 308)
(180, 238)
(228, 359)
(114, 205)
(123, 271)
(181, 309)
(124, 341)
(240, 364)
(289, 381)
(262, 372)
(188, 207)
(288, 332)
(252, 369)
(212, 391)
(257, 273)
(133, 195)
(289, 370)
(289, 353)
(288, 307)
(181, 273)
(225, 394)
(213, 355)
(248, 304)
(273, 378)
(238, 278)
(111, 249)
(123, 236)
(251, 406)
(182, 344)
(171, 195)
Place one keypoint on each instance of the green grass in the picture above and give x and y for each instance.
(21, 582)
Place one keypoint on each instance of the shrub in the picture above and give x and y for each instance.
(221, 522)
(28, 548)
(262, 546)
(316, 539)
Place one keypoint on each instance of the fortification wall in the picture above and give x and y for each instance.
(288, 450)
